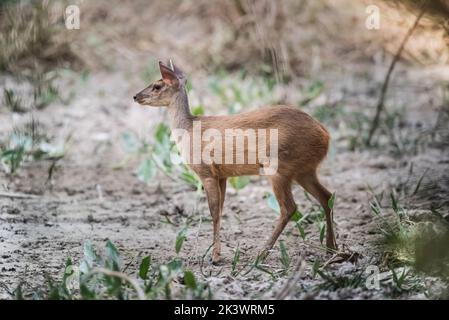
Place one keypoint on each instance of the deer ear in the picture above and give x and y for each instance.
(178, 72)
(168, 76)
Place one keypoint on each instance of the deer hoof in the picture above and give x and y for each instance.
(331, 246)
(262, 255)
(216, 260)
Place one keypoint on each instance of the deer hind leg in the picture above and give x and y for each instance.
(313, 186)
(214, 199)
(282, 191)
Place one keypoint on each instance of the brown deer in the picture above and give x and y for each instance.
(302, 144)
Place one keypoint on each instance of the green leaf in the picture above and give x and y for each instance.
(296, 216)
(68, 274)
(147, 170)
(272, 202)
(113, 256)
(301, 230)
(86, 293)
(180, 237)
(394, 203)
(144, 267)
(312, 92)
(322, 231)
(238, 183)
(129, 142)
(90, 255)
(175, 266)
(162, 134)
(375, 208)
(331, 201)
(236, 259)
(315, 267)
(198, 110)
(189, 280)
(191, 178)
(285, 258)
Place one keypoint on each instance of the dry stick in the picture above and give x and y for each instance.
(19, 195)
(290, 285)
(380, 104)
(120, 275)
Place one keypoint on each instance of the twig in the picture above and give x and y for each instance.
(18, 195)
(294, 279)
(380, 105)
(133, 282)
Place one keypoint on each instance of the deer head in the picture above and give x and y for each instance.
(161, 92)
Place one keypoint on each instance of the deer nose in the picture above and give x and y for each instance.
(135, 98)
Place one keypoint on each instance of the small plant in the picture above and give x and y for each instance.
(420, 243)
(272, 202)
(240, 92)
(235, 261)
(180, 237)
(239, 183)
(312, 92)
(298, 217)
(44, 90)
(28, 143)
(285, 258)
(340, 281)
(12, 101)
(100, 277)
(157, 157)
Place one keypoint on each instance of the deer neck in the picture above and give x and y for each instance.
(179, 112)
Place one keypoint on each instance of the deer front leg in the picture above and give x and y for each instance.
(214, 198)
(222, 193)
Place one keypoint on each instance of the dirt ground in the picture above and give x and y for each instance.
(88, 199)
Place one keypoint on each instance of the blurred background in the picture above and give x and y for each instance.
(81, 162)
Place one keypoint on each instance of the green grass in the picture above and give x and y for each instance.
(101, 275)
(407, 241)
(29, 143)
(12, 101)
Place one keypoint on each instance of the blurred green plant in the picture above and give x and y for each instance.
(314, 215)
(235, 261)
(237, 92)
(239, 183)
(12, 101)
(100, 277)
(29, 143)
(418, 242)
(157, 157)
(312, 92)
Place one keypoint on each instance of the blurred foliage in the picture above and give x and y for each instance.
(100, 276)
(32, 38)
(29, 143)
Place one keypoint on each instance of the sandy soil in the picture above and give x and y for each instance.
(88, 199)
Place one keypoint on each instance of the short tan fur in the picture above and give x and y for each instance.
(302, 145)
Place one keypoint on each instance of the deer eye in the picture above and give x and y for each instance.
(157, 87)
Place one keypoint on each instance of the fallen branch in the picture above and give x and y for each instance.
(294, 279)
(120, 275)
(18, 195)
(380, 105)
